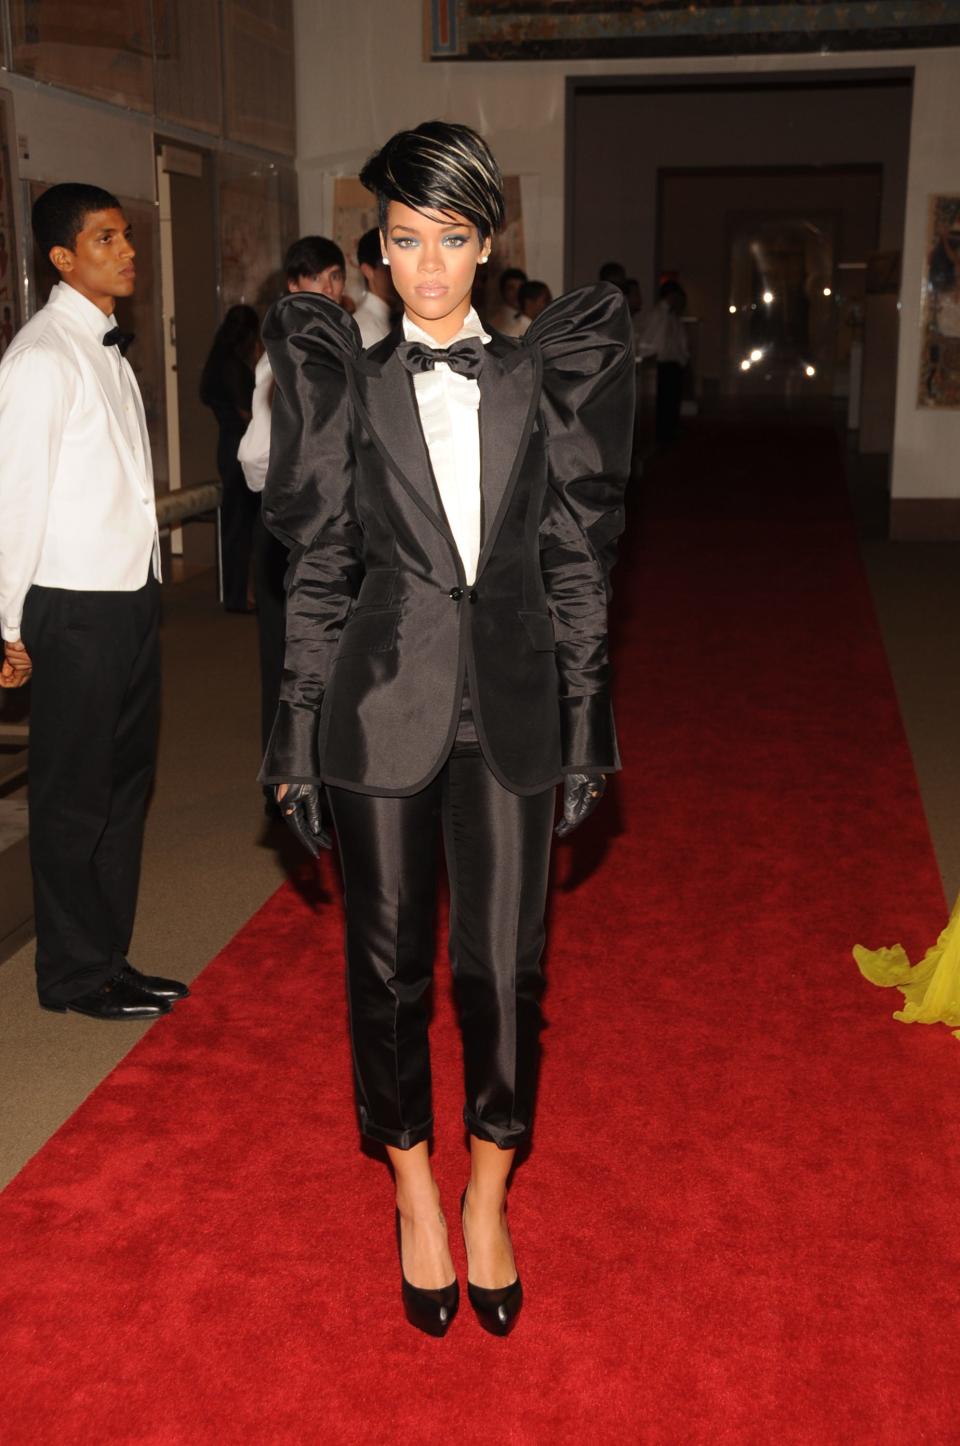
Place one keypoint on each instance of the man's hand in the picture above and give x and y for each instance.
(16, 666)
(300, 805)
(581, 794)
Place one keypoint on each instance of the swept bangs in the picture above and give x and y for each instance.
(439, 167)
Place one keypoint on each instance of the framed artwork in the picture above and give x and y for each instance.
(258, 220)
(354, 213)
(11, 289)
(590, 29)
(103, 50)
(940, 313)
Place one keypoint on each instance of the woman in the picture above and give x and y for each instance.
(226, 387)
(452, 499)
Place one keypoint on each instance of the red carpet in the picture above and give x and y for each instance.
(738, 1222)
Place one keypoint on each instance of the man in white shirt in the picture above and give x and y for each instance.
(316, 264)
(665, 337)
(374, 315)
(79, 607)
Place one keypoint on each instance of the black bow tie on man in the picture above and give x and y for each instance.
(116, 337)
(464, 357)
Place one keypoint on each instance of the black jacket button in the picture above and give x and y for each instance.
(456, 593)
(473, 594)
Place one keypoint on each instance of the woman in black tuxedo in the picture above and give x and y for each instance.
(452, 500)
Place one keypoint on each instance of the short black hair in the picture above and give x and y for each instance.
(508, 274)
(614, 271)
(671, 288)
(59, 215)
(440, 167)
(311, 255)
(370, 248)
(530, 291)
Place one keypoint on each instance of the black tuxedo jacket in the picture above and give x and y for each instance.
(382, 628)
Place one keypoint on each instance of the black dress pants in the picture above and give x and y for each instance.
(239, 508)
(497, 846)
(669, 400)
(94, 710)
(270, 567)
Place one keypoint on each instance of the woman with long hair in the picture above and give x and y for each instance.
(452, 500)
(226, 387)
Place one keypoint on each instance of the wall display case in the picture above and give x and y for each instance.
(940, 310)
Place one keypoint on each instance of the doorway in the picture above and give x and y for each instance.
(189, 253)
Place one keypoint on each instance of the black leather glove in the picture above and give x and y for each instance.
(300, 806)
(581, 794)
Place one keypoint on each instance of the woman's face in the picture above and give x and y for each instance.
(433, 259)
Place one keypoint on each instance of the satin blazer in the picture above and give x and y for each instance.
(382, 629)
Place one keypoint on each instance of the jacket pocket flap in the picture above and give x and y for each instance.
(369, 632)
(540, 629)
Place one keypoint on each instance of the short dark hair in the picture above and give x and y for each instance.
(671, 288)
(59, 215)
(530, 291)
(508, 274)
(311, 255)
(439, 167)
(614, 271)
(370, 248)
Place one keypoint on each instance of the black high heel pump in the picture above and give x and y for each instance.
(497, 1310)
(431, 1311)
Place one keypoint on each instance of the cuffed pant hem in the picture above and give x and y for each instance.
(505, 1137)
(399, 1139)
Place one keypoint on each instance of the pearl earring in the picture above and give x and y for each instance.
(384, 260)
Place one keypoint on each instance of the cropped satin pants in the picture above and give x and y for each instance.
(497, 847)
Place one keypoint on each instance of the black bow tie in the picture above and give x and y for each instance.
(116, 337)
(464, 357)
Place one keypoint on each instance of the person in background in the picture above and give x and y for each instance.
(374, 314)
(226, 387)
(80, 607)
(510, 281)
(532, 297)
(665, 337)
(312, 264)
(615, 273)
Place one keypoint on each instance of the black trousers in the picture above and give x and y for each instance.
(270, 566)
(94, 711)
(497, 846)
(239, 508)
(669, 399)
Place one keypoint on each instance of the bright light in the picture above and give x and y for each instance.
(746, 364)
(756, 354)
(732, 310)
(768, 298)
(810, 371)
(828, 291)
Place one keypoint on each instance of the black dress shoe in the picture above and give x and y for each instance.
(497, 1309)
(152, 984)
(116, 999)
(431, 1311)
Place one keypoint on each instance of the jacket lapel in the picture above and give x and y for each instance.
(385, 395)
(509, 392)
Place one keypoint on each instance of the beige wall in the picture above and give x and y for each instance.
(361, 76)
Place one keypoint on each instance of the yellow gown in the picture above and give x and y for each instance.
(931, 988)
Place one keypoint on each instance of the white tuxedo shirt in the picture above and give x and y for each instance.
(449, 407)
(254, 450)
(373, 318)
(77, 507)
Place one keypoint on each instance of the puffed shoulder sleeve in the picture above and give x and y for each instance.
(309, 503)
(586, 342)
(310, 342)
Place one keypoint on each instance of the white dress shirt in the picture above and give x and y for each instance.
(373, 318)
(449, 407)
(663, 336)
(254, 449)
(77, 508)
